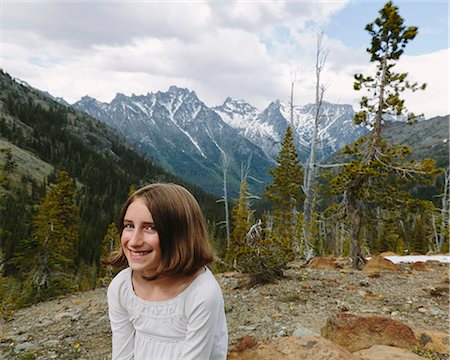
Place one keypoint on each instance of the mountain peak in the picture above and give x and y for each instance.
(87, 98)
(120, 97)
(237, 106)
(173, 89)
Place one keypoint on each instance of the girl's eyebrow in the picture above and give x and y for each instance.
(144, 222)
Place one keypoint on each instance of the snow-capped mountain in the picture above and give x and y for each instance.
(267, 128)
(181, 134)
(184, 136)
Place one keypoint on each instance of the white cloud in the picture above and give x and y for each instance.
(240, 49)
(433, 70)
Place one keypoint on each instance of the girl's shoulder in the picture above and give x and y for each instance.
(204, 288)
(120, 282)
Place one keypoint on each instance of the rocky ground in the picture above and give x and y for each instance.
(77, 326)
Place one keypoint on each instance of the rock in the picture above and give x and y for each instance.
(364, 283)
(323, 263)
(309, 302)
(434, 311)
(66, 315)
(19, 338)
(290, 348)
(51, 342)
(302, 331)
(439, 291)
(378, 263)
(420, 266)
(244, 343)
(383, 352)
(26, 346)
(267, 319)
(435, 341)
(357, 332)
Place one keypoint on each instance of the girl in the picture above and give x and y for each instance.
(166, 304)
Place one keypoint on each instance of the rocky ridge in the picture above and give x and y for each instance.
(77, 326)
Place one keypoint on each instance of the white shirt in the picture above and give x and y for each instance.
(191, 325)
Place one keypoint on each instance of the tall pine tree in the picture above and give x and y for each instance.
(378, 170)
(285, 194)
(47, 261)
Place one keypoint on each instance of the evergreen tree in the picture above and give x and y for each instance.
(238, 249)
(285, 194)
(48, 260)
(10, 163)
(378, 171)
(110, 242)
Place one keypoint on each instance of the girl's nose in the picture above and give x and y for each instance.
(136, 238)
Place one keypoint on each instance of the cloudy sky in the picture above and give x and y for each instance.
(242, 49)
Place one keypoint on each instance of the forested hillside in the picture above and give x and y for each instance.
(39, 139)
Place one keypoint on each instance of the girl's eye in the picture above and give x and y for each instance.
(150, 228)
(128, 226)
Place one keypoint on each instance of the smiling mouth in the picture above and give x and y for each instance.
(139, 253)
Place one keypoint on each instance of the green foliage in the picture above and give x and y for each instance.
(378, 174)
(87, 276)
(253, 250)
(263, 249)
(426, 353)
(9, 290)
(10, 163)
(104, 166)
(266, 256)
(110, 243)
(285, 194)
(389, 38)
(47, 261)
(238, 249)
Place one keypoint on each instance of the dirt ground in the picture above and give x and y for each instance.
(77, 326)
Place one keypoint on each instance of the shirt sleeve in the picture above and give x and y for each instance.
(202, 312)
(121, 326)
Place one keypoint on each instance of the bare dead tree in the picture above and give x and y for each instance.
(311, 168)
(293, 76)
(225, 162)
(445, 211)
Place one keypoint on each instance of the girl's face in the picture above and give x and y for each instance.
(140, 240)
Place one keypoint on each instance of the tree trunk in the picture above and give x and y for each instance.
(445, 210)
(225, 163)
(355, 229)
(310, 176)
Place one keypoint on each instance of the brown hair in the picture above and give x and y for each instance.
(181, 226)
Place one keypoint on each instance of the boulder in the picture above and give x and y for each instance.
(383, 352)
(378, 263)
(244, 343)
(358, 332)
(435, 341)
(420, 266)
(290, 348)
(321, 262)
